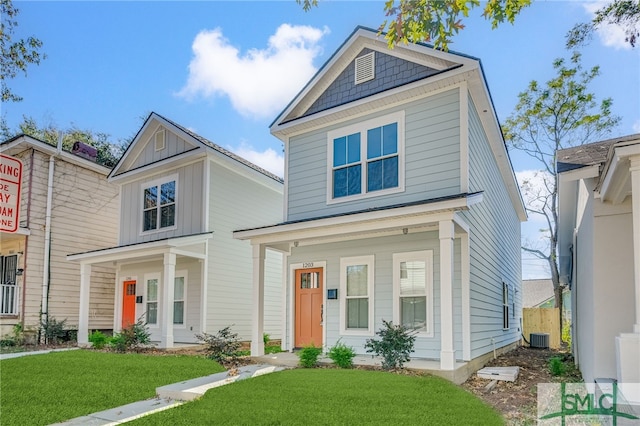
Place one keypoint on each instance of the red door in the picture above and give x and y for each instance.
(128, 303)
(309, 309)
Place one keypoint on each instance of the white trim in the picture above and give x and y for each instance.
(148, 277)
(464, 137)
(362, 128)
(505, 304)
(354, 261)
(465, 272)
(204, 287)
(291, 288)
(156, 146)
(207, 194)
(284, 342)
(365, 68)
(427, 257)
(183, 273)
(285, 195)
(158, 184)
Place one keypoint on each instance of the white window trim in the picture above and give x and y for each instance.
(427, 257)
(351, 261)
(147, 277)
(158, 183)
(156, 146)
(362, 127)
(505, 304)
(182, 274)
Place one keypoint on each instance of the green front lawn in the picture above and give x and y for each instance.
(45, 389)
(333, 396)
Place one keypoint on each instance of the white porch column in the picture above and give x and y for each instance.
(83, 317)
(447, 352)
(168, 284)
(628, 344)
(257, 321)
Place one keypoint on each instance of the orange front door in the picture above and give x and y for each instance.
(128, 303)
(309, 307)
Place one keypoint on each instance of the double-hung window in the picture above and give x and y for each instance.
(413, 290)
(505, 306)
(179, 292)
(159, 205)
(356, 282)
(152, 300)
(366, 159)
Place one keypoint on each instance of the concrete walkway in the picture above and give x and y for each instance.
(170, 396)
(44, 351)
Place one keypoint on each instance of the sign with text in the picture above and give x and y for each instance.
(10, 183)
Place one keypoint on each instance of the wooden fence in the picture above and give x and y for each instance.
(542, 320)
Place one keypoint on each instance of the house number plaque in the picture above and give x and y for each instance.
(307, 264)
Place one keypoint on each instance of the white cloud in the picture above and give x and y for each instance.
(610, 35)
(636, 126)
(259, 82)
(268, 159)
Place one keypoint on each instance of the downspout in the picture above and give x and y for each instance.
(46, 276)
(26, 239)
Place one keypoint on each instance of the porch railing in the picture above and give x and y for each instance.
(8, 299)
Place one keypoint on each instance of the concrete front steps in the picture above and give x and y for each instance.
(170, 396)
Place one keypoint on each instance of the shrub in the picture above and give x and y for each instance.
(556, 366)
(53, 330)
(98, 339)
(309, 356)
(342, 355)
(132, 337)
(266, 338)
(566, 333)
(395, 346)
(222, 347)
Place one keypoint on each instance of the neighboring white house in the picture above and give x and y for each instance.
(177, 265)
(400, 204)
(599, 253)
(66, 205)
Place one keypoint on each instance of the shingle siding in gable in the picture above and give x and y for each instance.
(390, 72)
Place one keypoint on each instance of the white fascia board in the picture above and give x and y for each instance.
(362, 222)
(579, 174)
(244, 170)
(370, 104)
(151, 248)
(179, 160)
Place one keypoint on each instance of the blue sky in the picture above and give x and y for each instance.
(226, 69)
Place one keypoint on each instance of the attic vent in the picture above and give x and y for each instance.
(365, 68)
(159, 139)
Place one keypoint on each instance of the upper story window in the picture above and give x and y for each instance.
(366, 159)
(159, 204)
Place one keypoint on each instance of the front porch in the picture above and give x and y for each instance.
(156, 265)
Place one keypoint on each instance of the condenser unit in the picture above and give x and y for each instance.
(539, 340)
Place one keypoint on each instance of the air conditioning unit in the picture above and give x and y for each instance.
(539, 340)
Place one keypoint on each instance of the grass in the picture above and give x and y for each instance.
(44, 389)
(332, 396)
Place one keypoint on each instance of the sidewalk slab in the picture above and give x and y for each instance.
(44, 351)
(125, 413)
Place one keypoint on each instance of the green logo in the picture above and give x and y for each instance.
(577, 402)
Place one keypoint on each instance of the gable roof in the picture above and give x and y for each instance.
(196, 139)
(430, 70)
(536, 292)
(588, 154)
(22, 142)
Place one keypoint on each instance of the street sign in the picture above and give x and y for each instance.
(10, 183)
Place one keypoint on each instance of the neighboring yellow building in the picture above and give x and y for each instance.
(66, 206)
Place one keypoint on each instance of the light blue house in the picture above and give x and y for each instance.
(400, 204)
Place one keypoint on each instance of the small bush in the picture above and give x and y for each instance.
(272, 349)
(222, 347)
(266, 338)
(395, 346)
(132, 337)
(342, 355)
(98, 339)
(556, 366)
(309, 356)
(566, 333)
(53, 330)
